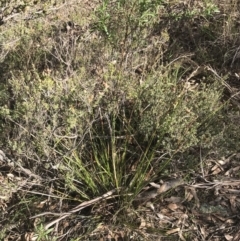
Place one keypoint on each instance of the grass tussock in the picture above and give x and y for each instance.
(100, 106)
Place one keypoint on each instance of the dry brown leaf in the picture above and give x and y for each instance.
(150, 205)
(228, 237)
(165, 211)
(203, 232)
(177, 215)
(143, 223)
(184, 216)
(214, 167)
(172, 206)
(230, 221)
(181, 236)
(222, 162)
(217, 171)
(163, 217)
(175, 230)
(182, 220)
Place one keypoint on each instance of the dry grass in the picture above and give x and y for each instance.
(120, 120)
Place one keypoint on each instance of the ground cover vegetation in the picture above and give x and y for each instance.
(119, 120)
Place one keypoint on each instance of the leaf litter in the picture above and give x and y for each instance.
(202, 208)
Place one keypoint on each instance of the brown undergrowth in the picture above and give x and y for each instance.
(119, 120)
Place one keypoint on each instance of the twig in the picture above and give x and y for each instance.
(76, 209)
